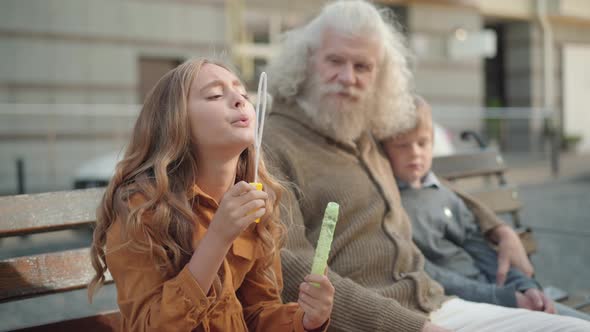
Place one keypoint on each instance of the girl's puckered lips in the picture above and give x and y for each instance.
(241, 121)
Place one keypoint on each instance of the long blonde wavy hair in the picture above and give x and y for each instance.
(159, 163)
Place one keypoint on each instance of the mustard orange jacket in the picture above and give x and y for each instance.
(241, 298)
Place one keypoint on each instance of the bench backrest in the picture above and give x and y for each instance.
(468, 165)
(55, 272)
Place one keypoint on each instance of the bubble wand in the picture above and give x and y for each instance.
(259, 128)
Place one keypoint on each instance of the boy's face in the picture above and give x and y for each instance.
(410, 155)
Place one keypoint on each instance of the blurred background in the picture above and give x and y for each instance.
(73, 74)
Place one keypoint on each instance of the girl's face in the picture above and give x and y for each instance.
(220, 115)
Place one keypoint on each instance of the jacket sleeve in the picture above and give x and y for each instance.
(149, 302)
(469, 289)
(263, 308)
(486, 260)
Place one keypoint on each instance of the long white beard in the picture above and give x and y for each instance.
(340, 119)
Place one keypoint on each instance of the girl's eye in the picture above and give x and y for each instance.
(213, 97)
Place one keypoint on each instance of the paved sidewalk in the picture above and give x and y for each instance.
(557, 209)
(559, 214)
(525, 171)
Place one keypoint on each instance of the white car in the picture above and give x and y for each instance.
(443, 142)
(97, 172)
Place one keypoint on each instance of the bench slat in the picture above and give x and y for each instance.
(528, 240)
(465, 165)
(44, 274)
(104, 322)
(500, 200)
(27, 214)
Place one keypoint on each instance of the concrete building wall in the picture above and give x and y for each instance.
(505, 8)
(61, 56)
(576, 80)
(576, 34)
(570, 22)
(55, 141)
(522, 63)
(87, 51)
(525, 71)
(528, 8)
(454, 86)
(524, 86)
(49, 166)
(578, 8)
(83, 52)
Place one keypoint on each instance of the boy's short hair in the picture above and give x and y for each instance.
(423, 114)
(423, 118)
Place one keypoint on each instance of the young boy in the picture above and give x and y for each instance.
(447, 232)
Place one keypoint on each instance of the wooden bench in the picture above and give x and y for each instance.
(488, 169)
(471, 164)
(56, 272)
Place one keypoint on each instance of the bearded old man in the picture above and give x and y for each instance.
(340, 84)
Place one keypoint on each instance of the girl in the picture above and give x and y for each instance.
(176, 225)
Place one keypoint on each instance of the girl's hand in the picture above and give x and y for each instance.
(239, 207)
(316, 302)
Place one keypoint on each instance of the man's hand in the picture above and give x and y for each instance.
(316, 302)
(510, 253)
(534, 299)
(429, 327)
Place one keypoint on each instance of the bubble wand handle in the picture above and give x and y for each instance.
(322, 251)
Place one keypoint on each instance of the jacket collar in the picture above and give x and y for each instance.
(197, 194)
(428, 181)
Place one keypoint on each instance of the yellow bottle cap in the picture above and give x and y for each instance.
(258, 186)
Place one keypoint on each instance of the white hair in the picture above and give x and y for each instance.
(393, 105)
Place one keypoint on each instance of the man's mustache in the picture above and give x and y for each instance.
(338, 88)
